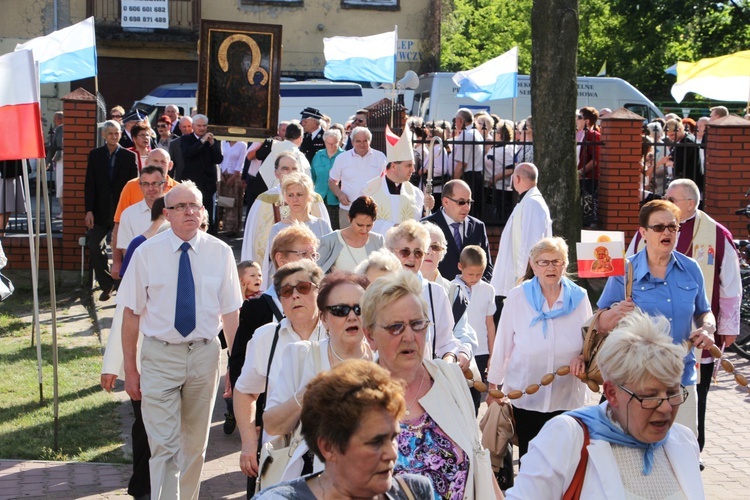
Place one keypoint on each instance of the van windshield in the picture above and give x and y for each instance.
(421, 104)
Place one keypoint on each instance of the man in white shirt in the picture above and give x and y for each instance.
(529, 222)
(181, 289)
(353, 169)
(137, 218)
(469, 157)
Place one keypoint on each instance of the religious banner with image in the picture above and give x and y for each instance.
(238, 78)
(601, 254)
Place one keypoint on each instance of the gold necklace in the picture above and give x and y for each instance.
(415, 397)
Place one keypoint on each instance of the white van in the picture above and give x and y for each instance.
(339, 100)
(435, 98)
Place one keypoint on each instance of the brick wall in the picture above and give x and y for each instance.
(728, 172)
(619, 176)
(80, 134)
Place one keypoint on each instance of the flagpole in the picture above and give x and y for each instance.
(53, 311)
(34, 277)
(393, 88)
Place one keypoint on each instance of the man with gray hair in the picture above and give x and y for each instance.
(529, 222)
(109, 168)
(353, 169)
(173, 112)
(201, 155)
(180, 290)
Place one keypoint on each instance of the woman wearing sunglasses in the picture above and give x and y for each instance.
(668, 283)
(636, 449)
(164, 131)
(338, 300)
(296, 285)
(439, 436)
(540, 330)
(409, 241)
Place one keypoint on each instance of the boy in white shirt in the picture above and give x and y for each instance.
(481, 295)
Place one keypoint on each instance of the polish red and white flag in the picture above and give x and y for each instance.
(20, 113)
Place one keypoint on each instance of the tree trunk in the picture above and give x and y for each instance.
(554, 92)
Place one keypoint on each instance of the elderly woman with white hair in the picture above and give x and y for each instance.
(321, 166)
(439, 437)
(409, 242)
(540, 330)
(380, 263)
(635, 448)
(434, 255)
(298, 194)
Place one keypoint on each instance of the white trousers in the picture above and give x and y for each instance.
(178, 384)
(688, 412)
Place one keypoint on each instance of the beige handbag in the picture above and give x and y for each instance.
(593, 339)
(225, 202)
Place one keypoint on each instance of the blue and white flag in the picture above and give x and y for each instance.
(365, 59)
(495, 79)
(65, 55)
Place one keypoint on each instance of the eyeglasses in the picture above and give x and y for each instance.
(143, 136)
(417, 325)
(659, 228)
(304, 254)
(303, 287)
(116, 116)
(154, 184)
(654, 403)
(435, 248)
(359, 120)
(182, 207)
(579, 117)
(406, 252)
(675, 200)
(460, 203)
(342, 310)
(546, 263)
(162, 125)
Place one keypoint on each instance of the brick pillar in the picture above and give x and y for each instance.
(728, 172)
(619, 172)
(80, 137)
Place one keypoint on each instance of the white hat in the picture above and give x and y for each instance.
(398, 149)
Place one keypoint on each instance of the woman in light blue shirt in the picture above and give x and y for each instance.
(321, 165)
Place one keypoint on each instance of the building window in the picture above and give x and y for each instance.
(371, 4)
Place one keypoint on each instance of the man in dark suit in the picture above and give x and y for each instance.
(175, 147)
(460, 228)
(201, 154)
(173, 112)
(109, 168)
(312, 140)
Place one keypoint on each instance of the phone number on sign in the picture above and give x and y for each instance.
(138, 19)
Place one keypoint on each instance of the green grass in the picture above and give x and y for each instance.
(89, 426)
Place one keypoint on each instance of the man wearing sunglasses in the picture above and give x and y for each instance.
(529, 222)
(460, 228)
(398, 199)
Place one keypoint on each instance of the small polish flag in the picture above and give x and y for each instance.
(20, 114)
(390, 136)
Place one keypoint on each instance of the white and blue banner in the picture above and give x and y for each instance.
(367, 58)
(495, 79)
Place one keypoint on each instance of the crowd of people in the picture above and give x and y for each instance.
(362, 303)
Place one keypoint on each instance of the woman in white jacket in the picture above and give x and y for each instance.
(636, 450)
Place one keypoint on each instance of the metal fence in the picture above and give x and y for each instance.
(488, 157)
(670, 156)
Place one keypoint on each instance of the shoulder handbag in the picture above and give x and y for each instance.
(593, 339)
(276, 454)
(576, 485)
(6, 287)
(404, 487)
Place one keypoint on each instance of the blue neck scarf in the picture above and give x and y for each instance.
(572, 296)
(601, 427)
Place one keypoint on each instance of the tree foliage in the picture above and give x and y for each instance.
(638, 39)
